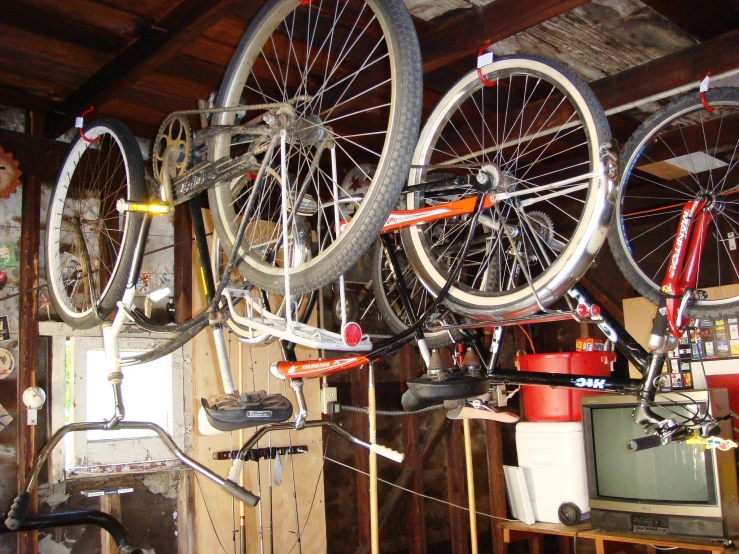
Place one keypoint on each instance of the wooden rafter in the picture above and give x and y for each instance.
(681, 68)
(462, 35)
(153, 47)
(703, 21)
(46, 24)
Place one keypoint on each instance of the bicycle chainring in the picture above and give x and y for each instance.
(174, 132)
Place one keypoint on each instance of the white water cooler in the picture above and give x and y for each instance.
(552, 456)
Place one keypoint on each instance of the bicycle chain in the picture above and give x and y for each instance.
(449, 166)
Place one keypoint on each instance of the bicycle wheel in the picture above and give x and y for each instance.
(89, 243)
(679, 153)
(349, 74)
(258, 304)
(536, 136)
(387, 296)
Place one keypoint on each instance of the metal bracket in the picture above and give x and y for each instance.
(299, 333)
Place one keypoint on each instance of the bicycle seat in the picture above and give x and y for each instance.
(232, 412)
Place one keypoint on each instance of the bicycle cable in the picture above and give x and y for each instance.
(390, 413)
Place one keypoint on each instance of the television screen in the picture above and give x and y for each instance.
(676, 472)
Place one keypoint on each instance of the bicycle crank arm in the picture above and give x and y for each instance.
(207, 174)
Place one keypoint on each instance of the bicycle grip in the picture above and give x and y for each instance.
(643, 443)
(240, 493)
(18, 511)
(388, 453)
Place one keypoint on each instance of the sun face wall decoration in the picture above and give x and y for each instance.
(9, 174)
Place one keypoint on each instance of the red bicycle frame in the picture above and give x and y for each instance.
(400, 219)
(682, 270)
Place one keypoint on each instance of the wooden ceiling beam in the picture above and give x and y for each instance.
(153, 47)
(46, 24)
(702, 20)
(41, 156)
(19, 98)
(464, 34)
(683, 67)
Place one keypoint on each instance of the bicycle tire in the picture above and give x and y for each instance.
(384, 290)
(522, 160)
(393, 126)
(119, 175)
(642, 260)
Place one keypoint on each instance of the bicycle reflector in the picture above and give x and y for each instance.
(151, 208)
(584, 311)
(351, 334)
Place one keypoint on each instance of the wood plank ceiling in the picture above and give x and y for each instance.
(138, 61)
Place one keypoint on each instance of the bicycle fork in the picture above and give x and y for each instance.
(678, 289)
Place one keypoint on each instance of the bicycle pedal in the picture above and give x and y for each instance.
(231, 412)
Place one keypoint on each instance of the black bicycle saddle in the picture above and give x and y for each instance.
(232, 412)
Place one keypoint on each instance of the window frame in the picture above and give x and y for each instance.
(181, 400)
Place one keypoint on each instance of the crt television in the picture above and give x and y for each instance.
(675, 489)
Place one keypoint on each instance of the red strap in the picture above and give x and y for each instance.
(82, 134)
(483, 80)
(703, 90)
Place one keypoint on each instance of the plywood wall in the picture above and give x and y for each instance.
(249, 366)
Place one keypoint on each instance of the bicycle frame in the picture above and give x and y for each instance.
(623, 341)
(682, 271)
(676, 291)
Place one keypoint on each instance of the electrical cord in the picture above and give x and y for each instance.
(466, 509)
(391, 413)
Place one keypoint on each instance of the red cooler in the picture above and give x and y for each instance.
(561, 404)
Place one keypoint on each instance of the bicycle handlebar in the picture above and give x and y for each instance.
(240, 493)
(18, 511)
(644, 443)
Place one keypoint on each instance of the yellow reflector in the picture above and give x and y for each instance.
(150, 208)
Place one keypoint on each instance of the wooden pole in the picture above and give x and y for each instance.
(28, 342)
(374, 526)
(470, 484)
(358, 379)
(433, 437)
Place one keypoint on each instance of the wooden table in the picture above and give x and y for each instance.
(606, 542)
(514, 531)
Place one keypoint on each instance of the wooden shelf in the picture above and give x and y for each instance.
(605, 542)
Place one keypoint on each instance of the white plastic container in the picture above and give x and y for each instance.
(552, 456)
